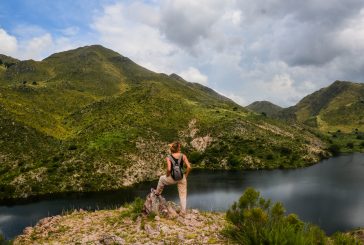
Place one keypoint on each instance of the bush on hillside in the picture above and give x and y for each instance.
(350, 145)
(334, 149)
(360, 137)
(195, 157)
(254, 220)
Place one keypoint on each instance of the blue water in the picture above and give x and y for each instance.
(329, 194)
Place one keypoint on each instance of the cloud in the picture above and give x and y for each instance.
(194, 75)
(248, 50)
(9, 43)
(70, 31)
(33, 45)
(133, 35)
(37, 47)
(187, 22)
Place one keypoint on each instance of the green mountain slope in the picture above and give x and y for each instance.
(264, 107)
(339, 106)
(95, 120)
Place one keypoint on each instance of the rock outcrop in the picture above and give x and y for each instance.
(120, 226)
(157, 205)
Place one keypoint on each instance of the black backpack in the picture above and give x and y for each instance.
(176, 168)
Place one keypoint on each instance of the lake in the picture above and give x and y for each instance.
(329, 194)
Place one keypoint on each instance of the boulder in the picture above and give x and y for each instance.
(157, 205)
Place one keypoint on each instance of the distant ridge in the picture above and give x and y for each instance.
(339, 106)
(265, 107)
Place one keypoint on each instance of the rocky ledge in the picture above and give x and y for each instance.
(126, 225)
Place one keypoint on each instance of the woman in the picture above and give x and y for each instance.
(168, 179)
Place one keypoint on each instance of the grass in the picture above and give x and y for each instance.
(134, 209)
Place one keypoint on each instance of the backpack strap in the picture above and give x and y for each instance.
(180, 160)
(174, 162)
(171, 159)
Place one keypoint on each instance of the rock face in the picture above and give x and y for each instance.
(118, 226)
(158, 205)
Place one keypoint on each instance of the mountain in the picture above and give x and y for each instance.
(91, 119)
(339, 106)
(264, 107)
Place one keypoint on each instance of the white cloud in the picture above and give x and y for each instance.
(32, 46)
(194, 75)
(70, 31)
(37, 47)
(134, 36)
(249, 50)
(8, 43)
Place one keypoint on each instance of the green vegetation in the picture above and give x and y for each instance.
(339, 106)
(254, 220)
(134, 209)
(266, 108)
(346, 142)
(90, 119)
(3, 241)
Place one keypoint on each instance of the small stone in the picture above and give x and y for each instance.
(111, 239)
(157, 218)
(28, 230)
(148, 229)
(195, 211)
(165, 229)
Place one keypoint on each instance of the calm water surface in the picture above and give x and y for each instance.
(329, 194)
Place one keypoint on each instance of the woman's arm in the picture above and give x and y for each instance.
(188, 165)
(169, 167)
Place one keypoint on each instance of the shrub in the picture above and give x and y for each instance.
(254, 220)
(334, 149)
(285, 151)
(195, 157)
(362, 144)
(233, 160)
(269, 156)
(72, 147)
(360, 137)
(343, 239)
(350, 145)
(134, 209)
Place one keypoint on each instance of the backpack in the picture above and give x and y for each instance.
(176, 169)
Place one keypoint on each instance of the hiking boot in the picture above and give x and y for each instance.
(154, 191)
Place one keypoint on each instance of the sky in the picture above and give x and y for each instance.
(275, 50)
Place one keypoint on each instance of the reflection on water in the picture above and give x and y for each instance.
(329, 194)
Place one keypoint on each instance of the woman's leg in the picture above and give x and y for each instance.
(163, 181)
(182, 192)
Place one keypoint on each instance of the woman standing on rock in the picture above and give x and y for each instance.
(175, 175)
